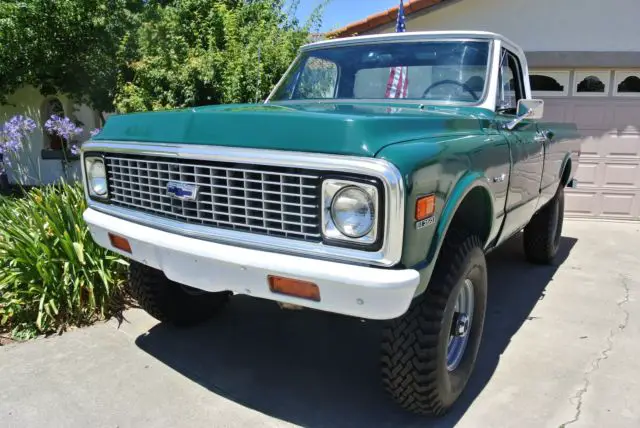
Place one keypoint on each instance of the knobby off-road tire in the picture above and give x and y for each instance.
(542, 234)
(414, 346)
(169, 301)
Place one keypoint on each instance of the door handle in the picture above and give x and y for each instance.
(546, 134)
(543, 136)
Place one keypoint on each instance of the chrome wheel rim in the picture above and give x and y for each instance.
(460, 325)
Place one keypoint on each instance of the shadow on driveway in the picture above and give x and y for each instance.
(317, 369)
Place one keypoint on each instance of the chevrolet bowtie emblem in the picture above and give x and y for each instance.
(184, 191)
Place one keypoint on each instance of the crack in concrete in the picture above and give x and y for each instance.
(578, 398)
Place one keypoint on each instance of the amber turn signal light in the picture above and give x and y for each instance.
(425, 207)
(120, 243)
(294, 287)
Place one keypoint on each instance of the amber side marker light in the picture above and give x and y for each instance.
(120, 243)
(425, 207)
(294, 287)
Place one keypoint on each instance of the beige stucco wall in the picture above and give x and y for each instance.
(540, 25)
(29, 102)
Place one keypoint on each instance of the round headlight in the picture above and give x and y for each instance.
(353, 212)
(97, 176)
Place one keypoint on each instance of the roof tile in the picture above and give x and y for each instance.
(382, 18)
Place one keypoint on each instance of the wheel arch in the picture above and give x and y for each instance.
(565, 170)
(460, 209)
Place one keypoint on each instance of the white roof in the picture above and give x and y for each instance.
(409, 36)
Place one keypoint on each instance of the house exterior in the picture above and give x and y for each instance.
(44, 159)
(584, 59)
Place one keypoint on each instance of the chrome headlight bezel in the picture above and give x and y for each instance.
(93, 182)
(331, 232)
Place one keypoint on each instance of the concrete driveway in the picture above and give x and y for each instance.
(561, 348)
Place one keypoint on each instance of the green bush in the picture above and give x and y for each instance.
(52, 274)
(200, 52)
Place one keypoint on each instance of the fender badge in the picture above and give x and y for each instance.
(426, 222)
(500, 178)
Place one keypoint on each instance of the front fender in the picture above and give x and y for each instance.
(449, 169)
(468, 182)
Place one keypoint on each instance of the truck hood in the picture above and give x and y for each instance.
(337, 128)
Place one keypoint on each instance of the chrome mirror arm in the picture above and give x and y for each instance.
(513, 123)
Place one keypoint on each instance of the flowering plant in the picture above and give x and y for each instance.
(65, 128)
(12, 134)
(15, 137)
(15, 143)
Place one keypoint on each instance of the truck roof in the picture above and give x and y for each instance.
(410, 36)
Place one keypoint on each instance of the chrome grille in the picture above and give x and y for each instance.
(268, 200)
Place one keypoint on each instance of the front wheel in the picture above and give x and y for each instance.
(429, 353)
(542, 234)
(169, 301)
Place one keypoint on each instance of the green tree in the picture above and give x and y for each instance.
(149, 54)
(76, 47)
(198, 52)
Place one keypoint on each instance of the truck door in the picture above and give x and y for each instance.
(527, 150)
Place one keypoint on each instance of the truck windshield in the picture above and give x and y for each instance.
(444, 71)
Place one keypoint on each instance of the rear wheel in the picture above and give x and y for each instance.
(429, 353)
(542, 234)
(170, 301)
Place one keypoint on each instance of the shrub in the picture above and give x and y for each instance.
(52, 274)
(200, 52)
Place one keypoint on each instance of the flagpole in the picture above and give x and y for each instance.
(259, 72)
(398, 83)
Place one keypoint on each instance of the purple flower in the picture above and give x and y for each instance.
(62, 126)
(74, 149)
(51, 124)
(21, 124)
(12, 134)
(17, 128)
(11, 145)
(95, 132)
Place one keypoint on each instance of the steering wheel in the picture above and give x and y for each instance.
(450, 82)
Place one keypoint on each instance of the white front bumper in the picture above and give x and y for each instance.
(365, 292)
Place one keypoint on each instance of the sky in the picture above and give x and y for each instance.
(342, 12)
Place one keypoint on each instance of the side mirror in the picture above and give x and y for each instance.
(527, 109)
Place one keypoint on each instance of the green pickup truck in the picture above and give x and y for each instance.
(371, 183)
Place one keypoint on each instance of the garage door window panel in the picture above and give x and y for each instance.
(550, 83)
(591, 83)
(627, 84)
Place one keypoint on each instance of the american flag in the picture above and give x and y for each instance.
(398, 76)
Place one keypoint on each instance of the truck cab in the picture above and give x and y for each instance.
(371, 183)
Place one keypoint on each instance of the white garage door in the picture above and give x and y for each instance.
(605, 105)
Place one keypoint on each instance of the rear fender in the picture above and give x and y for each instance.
(567, 160)
(547, 193)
